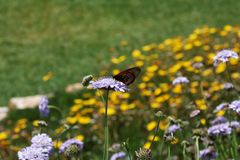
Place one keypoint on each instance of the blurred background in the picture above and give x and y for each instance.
(46, 45)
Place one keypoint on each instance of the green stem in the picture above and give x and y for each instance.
(155, 134)
(184, 151)
(197, 148)
(57, 109)
(169, 152)
(105, 153)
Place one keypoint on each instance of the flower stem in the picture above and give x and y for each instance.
(57, 109)
(197, 148)
(169, 152)
(155, 134)
(105, 153)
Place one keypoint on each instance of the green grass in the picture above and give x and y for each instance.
(72, 38)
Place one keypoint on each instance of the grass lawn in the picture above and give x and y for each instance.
(73, 38)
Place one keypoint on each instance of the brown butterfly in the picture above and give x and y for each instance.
(128, 76)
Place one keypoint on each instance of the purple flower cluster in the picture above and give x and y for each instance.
(70, 142)
(228, 86)
(40, 149)
(208, 154)
(224, 56)
(219, 120)
(109, 83)
(220, 129)
(118, 156)
(220, 107)
(180, 80)
(173, 128)
(43, 107)
(32, 153)
(235, 105)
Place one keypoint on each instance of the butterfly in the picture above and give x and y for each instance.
(128, 76)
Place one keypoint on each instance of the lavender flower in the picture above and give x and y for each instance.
(109, 83)
(224, 56)
(70, 142)
(43, 107)
(118, 156)
(219, 129)
(180, 80)
(198, 65)
(219, 120)
(173, 128)
(33, 153)
(234, 124)
(208, 154)
(42, 141)
(195, 113)
(220, 107)
(228, 86)
(235, 105)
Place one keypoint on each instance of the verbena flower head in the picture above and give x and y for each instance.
(42, 141)
(109, 83)
(208, 154)
(180, 80)
(70, 142)
(43, 107)
(224, 56)
(118, 156)
(220, 129)
(195, 113)
(234, 124)
(228, 86)
(173, 128)
(219, 120)
(220, 107)
(235, 105)
(33, 153)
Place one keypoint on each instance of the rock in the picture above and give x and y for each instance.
(25, 102)
(74, 87)
(3, 112)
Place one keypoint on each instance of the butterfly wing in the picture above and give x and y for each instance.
(128, 76)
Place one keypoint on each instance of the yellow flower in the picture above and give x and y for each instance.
(150, 138)
(188, 46)
(163, 124)
(115, 71)
(233, 61)
(155, 105)
(117, 60)
(57, 144)
(89, 102)
(147, 145)
(220, 68)
(75, 108)
(198, 58)
(80, 137)
(142, 85)
(47, 76)
(78, 101)
(162, 72)
(220, 113)
(235, 75)
(201, 104)
(151, 125)
(157, 91)
(203, 121)
(152, 68)
(3, 135)
(72, 120)
(207, 72)
(125, 106)
(111, 111)
(179, 56)
(175, 140)
(136, 53)
(84, 120)
(139, 63)
(228, 28)
(177, 89)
